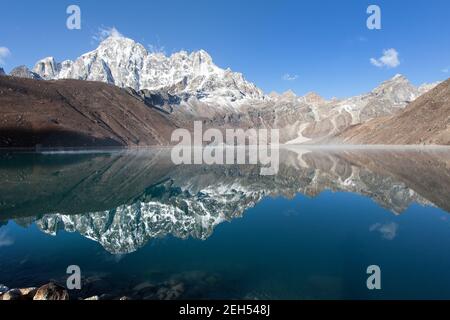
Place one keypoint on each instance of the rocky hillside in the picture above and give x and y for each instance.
(73, 113)
(424, 121)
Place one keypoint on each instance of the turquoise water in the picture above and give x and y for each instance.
(139, 226)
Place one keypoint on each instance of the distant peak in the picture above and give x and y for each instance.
(274, 95)
(396, 80)
(106, 33)
(202, 56)
(312, 95)
(116, 38)
(112, 36)
(48, 59)
(180, 53)
(313, 98)
(201, 52)
(425, 87)
(114, 33)
(23, 72)
(119, 43)
(399, 76)
(289, 93)
(46, 68)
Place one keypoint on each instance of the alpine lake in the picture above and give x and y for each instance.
(139, 226)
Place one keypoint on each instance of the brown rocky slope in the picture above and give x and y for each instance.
(424, 121)
(75, 113)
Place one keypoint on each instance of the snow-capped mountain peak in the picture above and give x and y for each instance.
(313, 98)
(122, 61)
(47, 68)
(397, 90)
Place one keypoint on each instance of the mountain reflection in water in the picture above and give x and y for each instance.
(124, 199)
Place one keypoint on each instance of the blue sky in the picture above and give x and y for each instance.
(323, 46)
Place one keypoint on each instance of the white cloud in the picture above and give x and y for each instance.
(389, 59)
(388, 231)
(106, 32)
(4, 53)
(289, 77)
(5, 241)
(445, 70)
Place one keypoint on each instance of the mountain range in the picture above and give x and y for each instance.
(184, 87)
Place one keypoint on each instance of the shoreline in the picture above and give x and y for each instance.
(48, 292)
(106, 149)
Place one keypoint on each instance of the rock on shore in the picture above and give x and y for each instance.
(50, 291)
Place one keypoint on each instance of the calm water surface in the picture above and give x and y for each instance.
(139, 226)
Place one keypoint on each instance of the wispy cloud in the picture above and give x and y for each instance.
(389, 59)
(388, 231)
(106, 32)
(289, 77)
(4, 53)
(446, 70)
(5, 240)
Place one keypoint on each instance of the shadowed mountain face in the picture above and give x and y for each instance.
(73, 113)
(124, 199)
